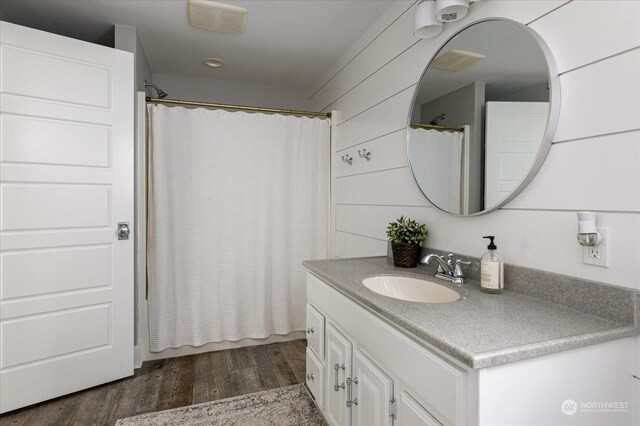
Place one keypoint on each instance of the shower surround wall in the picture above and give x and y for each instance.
(593, 164)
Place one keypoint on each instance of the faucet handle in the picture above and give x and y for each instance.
(450, 260)
(457, 272)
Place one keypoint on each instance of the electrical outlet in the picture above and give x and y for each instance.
(598, 255)
(594, 252)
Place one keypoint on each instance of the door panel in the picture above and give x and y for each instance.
(35, 206)
(410, 413)
(68, 78)
(315, 331)
(76, 268)
(315, 377)
(90, 327)
(40, 141)
(373, 391)
(338, 355)
(66, 179)
(513, 131)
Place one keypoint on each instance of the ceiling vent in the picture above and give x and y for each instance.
(217, 16)
(456, 60)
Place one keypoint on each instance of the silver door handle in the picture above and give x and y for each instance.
(336, 386)
(350, 399)
(123, 230)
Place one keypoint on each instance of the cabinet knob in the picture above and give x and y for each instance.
(309, 330)
(310, 376)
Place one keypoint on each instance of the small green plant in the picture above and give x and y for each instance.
(406, 230)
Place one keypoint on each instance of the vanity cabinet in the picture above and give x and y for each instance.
(373, 374)
(370, 370)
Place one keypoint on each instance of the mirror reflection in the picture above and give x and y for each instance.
(479, 118)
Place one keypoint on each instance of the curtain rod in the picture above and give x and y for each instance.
(436, 127)
(238, 107)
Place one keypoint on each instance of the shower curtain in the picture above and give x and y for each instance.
(236, 202)
(438, 155)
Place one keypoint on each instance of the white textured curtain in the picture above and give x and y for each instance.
(436, 161)
(236, 202)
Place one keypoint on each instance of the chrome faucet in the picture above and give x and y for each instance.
(447, 270)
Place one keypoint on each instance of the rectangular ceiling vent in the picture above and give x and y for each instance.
(215, 16)
(456, 60)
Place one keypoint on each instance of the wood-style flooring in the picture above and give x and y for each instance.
(171, 383)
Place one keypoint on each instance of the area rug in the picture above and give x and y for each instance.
(290, 405)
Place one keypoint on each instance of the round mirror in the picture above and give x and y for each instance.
(483, 117)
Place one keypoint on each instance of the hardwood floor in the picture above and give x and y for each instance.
(171, 383)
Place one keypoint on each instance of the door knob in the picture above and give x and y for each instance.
(123, 230)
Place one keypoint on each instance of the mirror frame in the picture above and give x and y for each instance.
(550, 130)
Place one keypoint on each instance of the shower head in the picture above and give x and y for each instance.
(436, 120)
(161, 93)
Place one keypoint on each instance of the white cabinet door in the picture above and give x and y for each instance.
(372, 393)
(66, 179)
(315, 331)
(513, 131)
(315, 377)
(410, 413)
(338, 370)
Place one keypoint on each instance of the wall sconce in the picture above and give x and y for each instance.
(425, 23)
(588, 234)
(451, 10)
(430, 14)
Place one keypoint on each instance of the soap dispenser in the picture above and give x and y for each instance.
(492, 269)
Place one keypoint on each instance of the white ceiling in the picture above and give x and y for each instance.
(286, 43)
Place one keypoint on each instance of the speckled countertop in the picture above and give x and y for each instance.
(481, 330)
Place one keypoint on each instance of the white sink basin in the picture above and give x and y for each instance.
(411, 289)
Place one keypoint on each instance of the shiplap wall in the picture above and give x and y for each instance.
(594, 163)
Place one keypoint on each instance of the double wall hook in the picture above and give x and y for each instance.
(364, 154)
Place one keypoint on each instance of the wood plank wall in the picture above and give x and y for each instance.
(593, 164)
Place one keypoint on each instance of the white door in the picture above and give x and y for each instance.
(372, 393)
(66, 179)
(338, 370)
(513, 131)
(410, 413)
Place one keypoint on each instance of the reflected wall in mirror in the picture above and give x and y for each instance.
(483, 117)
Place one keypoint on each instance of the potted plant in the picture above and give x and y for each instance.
(406, 235)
